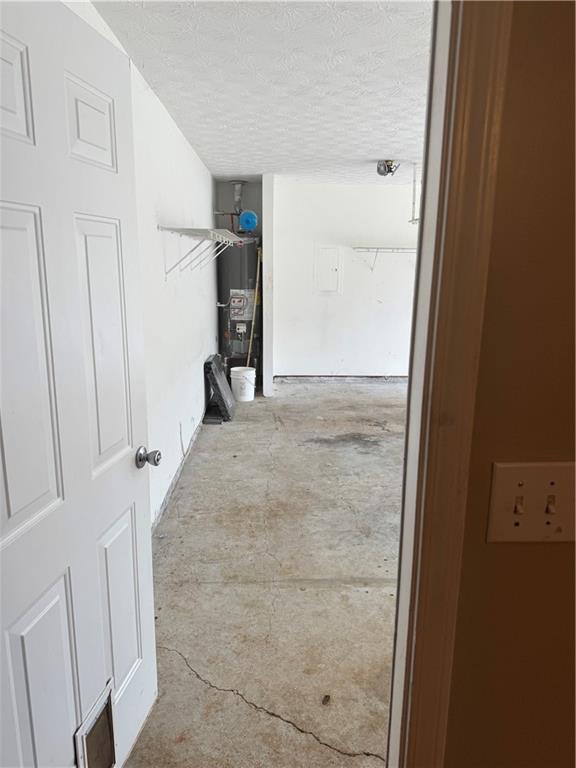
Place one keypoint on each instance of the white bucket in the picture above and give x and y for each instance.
(243, 383)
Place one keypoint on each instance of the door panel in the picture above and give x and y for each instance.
(91, 129)
(26, 380)
(119, 587)
(99, 250)
(15, 102)
(75, 549)
(45, 694)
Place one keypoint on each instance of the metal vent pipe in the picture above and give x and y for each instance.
(237, 186)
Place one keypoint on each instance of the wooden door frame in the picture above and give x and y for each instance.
(468, 76)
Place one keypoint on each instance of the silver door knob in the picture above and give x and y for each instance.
(143, 455)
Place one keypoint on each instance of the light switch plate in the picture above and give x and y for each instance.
(532, 502)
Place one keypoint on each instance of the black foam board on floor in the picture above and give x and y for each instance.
(212, 415)
(221, 398)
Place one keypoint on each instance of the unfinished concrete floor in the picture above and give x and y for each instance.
(275, 577)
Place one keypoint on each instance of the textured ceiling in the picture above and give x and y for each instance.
(313, 89)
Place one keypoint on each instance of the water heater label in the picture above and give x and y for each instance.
(241, 303)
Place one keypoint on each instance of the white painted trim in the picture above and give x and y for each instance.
(417, 375)
(470, 51)
(268, 284)
(176, 477)
(344, 379)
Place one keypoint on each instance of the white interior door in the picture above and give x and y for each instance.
(76, 599)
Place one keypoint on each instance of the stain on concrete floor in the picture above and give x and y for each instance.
(275, 581)
(358, 440)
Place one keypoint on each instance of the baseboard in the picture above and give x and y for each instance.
(176, 477)
(343, 379)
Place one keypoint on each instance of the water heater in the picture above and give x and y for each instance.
(239, 307)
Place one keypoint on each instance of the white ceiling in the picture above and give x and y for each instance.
(319, 90)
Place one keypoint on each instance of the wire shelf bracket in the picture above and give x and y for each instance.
(211, 243)
(378, 249)
(381, 249)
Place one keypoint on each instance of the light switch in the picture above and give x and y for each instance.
(532, 502)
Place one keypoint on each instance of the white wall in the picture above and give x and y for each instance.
(173, 187)
(363, 329)
(88, 12)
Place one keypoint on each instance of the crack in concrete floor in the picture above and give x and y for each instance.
(259, 708)
(275, 569)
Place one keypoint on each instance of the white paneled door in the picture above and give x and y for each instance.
(76, 600)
